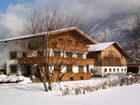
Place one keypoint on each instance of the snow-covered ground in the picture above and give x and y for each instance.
(33, 94)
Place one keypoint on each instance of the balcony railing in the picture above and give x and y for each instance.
(55, 60)
(70, 47)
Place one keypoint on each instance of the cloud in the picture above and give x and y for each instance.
(89, 10)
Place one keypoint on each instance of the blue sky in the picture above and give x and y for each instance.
(4, 4)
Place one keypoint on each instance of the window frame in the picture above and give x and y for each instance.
(13, 70)
(24, 54)
(11, 55)
(57, 54)
(79, 55)
(81, 68)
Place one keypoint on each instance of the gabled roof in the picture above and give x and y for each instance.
(51, 33)
(102, 46)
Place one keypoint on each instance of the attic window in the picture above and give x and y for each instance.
(76, 43)
(69, 42)
(60, 40)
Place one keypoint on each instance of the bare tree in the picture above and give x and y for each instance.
(47, 21)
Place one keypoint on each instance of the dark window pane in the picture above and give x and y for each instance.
(79, 55)
(24, 54)
(69, 42)
(13, 55)
(56, 54)
(57, 67)
(105, 70)
(13, 68)
(69, 54)
(60, 40)
(81, 68)
(69, 67)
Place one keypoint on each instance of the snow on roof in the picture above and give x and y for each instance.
(99, 46)
(103, 46)
(37, 34)
(50, 32)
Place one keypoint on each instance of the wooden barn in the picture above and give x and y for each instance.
(109, 58)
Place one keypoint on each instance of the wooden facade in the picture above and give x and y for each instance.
(111, 56)
(55, 60)
(70, 43)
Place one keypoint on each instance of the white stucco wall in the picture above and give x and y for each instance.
(91, 67)
(22, 46)
(3, 58)
(75, 68)
(101, 70)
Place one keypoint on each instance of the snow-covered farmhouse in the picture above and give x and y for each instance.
(70, 51)
(109, 58)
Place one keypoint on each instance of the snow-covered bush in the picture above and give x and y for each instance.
(13, 79)
(110, 82)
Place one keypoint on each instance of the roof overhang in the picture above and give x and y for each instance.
(51, 33)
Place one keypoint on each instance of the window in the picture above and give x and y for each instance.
(79, 55)
(81, 68)
(57, 67)
(125, 69)
(57, 54)
(69, 42)
(13, 55)
(69, 67)
(122, 69)
(110, 70)
(118, 69)
(69, 54)
(13, 68)
(114, 70)
(60, 40)
(24, 54)
(105, 70)
(77, 43)
(40, 53)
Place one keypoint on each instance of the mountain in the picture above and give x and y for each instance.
(116, 28)
(120, 28)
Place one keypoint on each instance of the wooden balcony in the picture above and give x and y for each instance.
(70, 47)
(55, 60)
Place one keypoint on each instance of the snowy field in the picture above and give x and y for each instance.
(33, 94)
